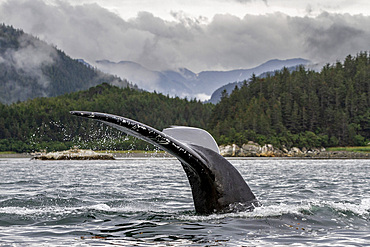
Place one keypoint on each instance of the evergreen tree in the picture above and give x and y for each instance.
(301, 107)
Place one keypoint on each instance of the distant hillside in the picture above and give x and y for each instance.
(185, 83)
(303, 108)
(31, 68)
(169, 82)
(228, 88)
(45, 123)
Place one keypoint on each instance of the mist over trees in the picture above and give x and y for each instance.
(31, 68)
(302, 108)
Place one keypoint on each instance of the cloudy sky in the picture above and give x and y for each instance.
(198, 35)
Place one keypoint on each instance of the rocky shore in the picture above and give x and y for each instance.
(73, 154)
(252, 149)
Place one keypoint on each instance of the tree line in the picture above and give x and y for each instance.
(31, 68)
(45, 123)
(301, 108)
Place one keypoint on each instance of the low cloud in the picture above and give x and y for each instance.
(331, 37)
(226, 42)
(30, 57)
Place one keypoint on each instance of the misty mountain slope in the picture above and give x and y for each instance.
(31, 68)
(217, 94)
(166, 82)
(185, 83)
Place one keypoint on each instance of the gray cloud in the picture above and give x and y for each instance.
(226, 42)
(31, 56)
(331, 37)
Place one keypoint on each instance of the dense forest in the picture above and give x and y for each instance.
(301, 108)
(31, 68)
(45, 123)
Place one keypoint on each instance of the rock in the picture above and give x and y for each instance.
(295, 150)
(236, 150)
(279, 153)
(315, 150)
(230, 150)
(250, 150)
(226, 151)
(267, 151)
(74, 154)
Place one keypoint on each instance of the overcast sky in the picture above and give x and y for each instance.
(198, 35)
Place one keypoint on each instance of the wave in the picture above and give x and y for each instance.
(305, 208)
(146, 223)
(101, 208)
(361, 209)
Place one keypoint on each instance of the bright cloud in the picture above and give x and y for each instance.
(199, 35)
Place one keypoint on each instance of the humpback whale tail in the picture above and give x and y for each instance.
(215, 183)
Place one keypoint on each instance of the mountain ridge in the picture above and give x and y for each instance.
(30, 68)
(229, 88)
(184, 82)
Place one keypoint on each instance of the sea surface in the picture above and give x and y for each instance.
(148, 202)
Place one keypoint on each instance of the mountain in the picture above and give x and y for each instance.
(185, 83)
(228, 88)
(173, 83)
(31, 68)
(217, 94)
(301, 108)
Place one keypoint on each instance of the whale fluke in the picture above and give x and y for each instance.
(215, 183)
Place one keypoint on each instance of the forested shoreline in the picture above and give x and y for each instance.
(45, 123)
(30, 68)
(301, 108)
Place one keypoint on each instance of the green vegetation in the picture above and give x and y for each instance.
(31, 68)
(45, 123)
(365, 149)
(7, 152)
(301, 108)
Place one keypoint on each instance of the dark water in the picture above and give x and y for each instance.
(147, 202)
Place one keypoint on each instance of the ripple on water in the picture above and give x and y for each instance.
(147, 202)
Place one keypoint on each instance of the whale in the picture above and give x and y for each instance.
(216, 185)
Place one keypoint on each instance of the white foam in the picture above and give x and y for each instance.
(57, 211)
(362, 209)
(34, 211)
(102, 207)
(258, 212)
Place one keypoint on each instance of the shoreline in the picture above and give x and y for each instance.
(252, 149)
(321, 155)
(144, 154)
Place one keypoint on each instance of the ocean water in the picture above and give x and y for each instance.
(148, 202)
